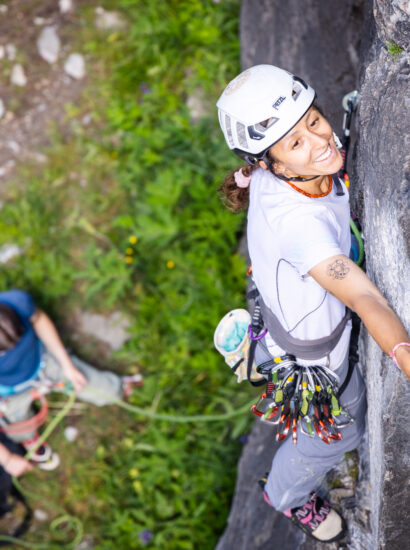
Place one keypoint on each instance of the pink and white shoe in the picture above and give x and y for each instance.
(318, 519)
(44, 457)
(128, 383)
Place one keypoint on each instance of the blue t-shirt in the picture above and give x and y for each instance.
(21, 363)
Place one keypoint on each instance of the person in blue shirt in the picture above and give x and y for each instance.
(32, 354)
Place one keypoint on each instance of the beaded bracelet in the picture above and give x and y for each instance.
(393, 352)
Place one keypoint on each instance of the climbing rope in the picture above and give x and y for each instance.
(66, 523)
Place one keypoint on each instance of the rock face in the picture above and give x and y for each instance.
(339, 46)
(382, 173)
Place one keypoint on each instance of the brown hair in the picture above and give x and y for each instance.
(11, 328)
(237, 198)
(233, 197)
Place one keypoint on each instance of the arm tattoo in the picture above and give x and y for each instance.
(338, 269)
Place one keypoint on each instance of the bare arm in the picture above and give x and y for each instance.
(47, 332)
(342, 278)
(14, 464)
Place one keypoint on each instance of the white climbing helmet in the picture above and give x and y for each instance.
(259, 107)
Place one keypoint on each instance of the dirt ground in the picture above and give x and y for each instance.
(32, 110)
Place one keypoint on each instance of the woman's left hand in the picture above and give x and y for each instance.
(76, 377)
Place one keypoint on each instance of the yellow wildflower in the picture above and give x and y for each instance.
(133, 239)
(129, 251)
(134, 472)
(112, 37)
(170, 264)
(127, 442)
(137, 486)
(128, 259)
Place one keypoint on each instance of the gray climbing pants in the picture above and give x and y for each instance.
(299, 469)
(17, 408)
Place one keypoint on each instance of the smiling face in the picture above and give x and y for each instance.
(308, 149)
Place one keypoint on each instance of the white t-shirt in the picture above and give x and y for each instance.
(288, 234)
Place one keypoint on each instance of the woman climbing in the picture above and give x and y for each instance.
(299, 243)
(32, 357)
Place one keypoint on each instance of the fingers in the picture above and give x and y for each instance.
(17, 465)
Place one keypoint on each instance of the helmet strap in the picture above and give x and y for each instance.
(297, 178)
(269, 164)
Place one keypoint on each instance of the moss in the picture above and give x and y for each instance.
(393, 49)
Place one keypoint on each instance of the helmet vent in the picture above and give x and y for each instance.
(229, 130)
(297, 88)
(265, 124)
(240, 130)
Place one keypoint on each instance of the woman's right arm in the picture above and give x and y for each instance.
(342, 278)
(14, 464)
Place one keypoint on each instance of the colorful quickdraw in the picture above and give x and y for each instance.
(299, 396)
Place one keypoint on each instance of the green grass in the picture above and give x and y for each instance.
(142, 169)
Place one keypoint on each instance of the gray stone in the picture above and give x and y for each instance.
(252, 523)
(48, 44)
(11, 51)
(66, 6)
(392, 21)
(111, 329)
(40, 515)
(40, 21)
(382, 172)
(75, 66)
(196, 106)
(9, 251)
(108, 20)
(86, 544)
(18, 76)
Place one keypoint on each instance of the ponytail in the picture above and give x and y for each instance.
(233, 197)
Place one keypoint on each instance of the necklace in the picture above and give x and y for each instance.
(312, 195)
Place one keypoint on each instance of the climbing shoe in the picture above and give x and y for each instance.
(316, 518)
(128, 383)
(43, 457)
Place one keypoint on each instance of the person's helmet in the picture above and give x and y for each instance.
(259, 107)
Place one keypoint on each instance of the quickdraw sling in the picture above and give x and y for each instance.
(297, 395)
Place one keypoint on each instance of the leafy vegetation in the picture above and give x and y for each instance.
(125, 215)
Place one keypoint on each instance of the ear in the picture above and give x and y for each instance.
(263, 165)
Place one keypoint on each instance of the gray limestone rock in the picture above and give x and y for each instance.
(382, 172)
(48, 44)
(108, 20)
(111, 329)
(75, 66)
(18, 76)
(9, 251)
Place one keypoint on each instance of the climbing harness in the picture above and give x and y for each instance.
(298, 395)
